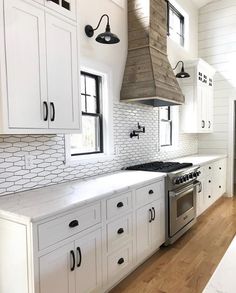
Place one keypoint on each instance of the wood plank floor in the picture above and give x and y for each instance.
(186, 266)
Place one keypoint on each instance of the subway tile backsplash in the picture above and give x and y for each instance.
(48, 152)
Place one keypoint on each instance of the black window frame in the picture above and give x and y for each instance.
(171, 7)
(169, 120)
(98, 114)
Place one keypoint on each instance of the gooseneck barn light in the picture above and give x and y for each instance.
(104, 38)
(182, 73)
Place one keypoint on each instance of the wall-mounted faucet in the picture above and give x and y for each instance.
(135, 133)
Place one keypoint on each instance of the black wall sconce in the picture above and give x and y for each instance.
(182, 73)
(104, 38)
(135, 133)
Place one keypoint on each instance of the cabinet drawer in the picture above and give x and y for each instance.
(119, 232)
(118, 205)
(65, 226)
(149, 193)
(120, 262)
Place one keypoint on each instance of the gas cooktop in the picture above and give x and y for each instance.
(165, 167)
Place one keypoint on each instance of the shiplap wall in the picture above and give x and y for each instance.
(217, 46)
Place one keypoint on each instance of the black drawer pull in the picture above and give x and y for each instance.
(209, 181)
(53, 111)
(121, 261)
(45, 118)
(79, 257)
(154, 214)
(120, 204)
(220, 186)
(72, 254)
(220, 168)
(209, 168)
(74, 224)
(209, 196)
(120, 231)
(151, 191)
(151, 216)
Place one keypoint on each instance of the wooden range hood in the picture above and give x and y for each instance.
(148, 76)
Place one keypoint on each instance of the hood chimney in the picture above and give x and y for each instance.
(148, 76)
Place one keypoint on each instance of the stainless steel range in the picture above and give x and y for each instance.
(181, 192)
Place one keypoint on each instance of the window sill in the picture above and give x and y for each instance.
(84, 159)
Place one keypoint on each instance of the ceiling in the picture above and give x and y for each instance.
(201, 3)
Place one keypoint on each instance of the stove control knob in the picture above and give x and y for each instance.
(187, 177)
(194, 174)
(190, 175)
(181, 179)
(177, 180)
(198, 173)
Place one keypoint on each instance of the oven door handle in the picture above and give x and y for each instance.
(184, 191)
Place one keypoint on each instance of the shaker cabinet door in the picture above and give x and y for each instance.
(57, 270)
(158, 224)
(62, 68)
(88, 262)
(26, 65)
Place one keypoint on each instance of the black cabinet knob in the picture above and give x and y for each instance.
(121, 261)
(120, 231)
(151, 191)
(220, 168)
(209, 168)
(209, 196)
(120, 204)
(74, 224)
(220, 186)
(209, 181)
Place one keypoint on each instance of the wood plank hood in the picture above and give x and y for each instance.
(148, 76)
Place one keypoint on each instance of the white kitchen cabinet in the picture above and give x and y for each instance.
(66, 269)
(150, 225)
(196, 115)
(213, 183)
(56, 273)
(26, 64)
(62, 56)
(40, 74)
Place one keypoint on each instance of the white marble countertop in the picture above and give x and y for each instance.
(35, 205)
(223, 280)
(199, 159)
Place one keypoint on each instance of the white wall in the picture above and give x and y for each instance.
(217, 45)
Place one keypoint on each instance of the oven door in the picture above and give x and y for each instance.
(182, 208)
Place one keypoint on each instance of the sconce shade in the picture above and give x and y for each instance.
(182, 73)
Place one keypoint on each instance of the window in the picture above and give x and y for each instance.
(91, 139)
(165, 126)
(175, 25)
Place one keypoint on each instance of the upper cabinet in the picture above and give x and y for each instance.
(41, 73)
(197, 112)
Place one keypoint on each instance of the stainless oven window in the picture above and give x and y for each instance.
(185, 203)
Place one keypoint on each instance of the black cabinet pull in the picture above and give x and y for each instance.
(220, 168)
(72, 254)
(53, 116)
(154, 214)
(74, 224)
(209, 168)
(209, 196)
(120, 204)
(120, 231)
(79, 257)
(151, 191)
(55, 1)
(209, 124)
(220, 186)
(45, 118)
(209, 181)
(151, 216)
(203, 124)
(121, 261)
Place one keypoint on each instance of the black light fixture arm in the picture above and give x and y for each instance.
(178, 64)
(89, 30)
(108, 21)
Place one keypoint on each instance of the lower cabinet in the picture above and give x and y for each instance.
(213, 184)
(74, 267)
(150, 223)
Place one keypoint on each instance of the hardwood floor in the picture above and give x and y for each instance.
(187, 265)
